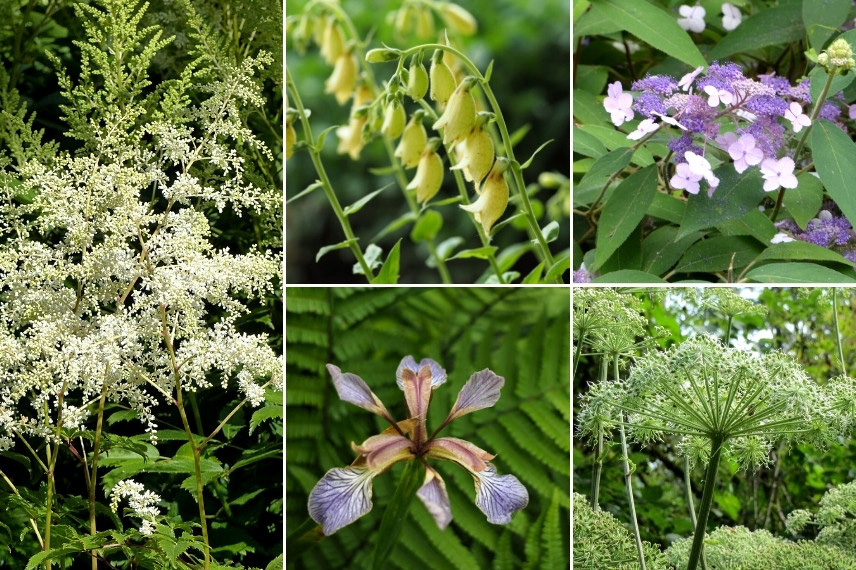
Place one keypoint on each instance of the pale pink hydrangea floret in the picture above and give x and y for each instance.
(645, 127)
(781, 238)
(687, 80)
(685, 179)
(693, 18)
(716, 96)
(796, 116)
(778, 173)
(731, 16)
(618, 104)
(745, 153)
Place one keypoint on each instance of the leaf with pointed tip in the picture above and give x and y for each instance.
(309, 189)
(359, 204)
(388, 274)
(328, 248)
(526, 164)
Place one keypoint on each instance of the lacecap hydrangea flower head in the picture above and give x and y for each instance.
(345, 494)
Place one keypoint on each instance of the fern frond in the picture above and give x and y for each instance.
(554, 427)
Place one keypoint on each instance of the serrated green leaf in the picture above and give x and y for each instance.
(275, 564)
(833, 153)
(733, 198)
(654, 26)
(585, 192)
(796, 273)
(777, 25)
(623, 212)
(264, 414)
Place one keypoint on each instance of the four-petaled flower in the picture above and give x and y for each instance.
(693, 18)
(778, 173)
(781, 238)
(344, 494)
(716, 96)
(745, 153)
(685, 179)
(796, 116)
(731, 16)
(645, 126)
(687, 80)
(618, 104)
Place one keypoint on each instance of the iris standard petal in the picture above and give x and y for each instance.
(433, 495)
(341, 497)
(480, 391)
(384, 449)
(438, 374)
(499, 496)
(353, 389)
(468, 455)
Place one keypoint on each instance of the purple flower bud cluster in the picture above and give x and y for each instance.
(826, 230)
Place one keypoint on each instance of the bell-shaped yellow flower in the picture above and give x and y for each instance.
(351, 135)
(412, 142)
(428, 177)
(343, 80)
(394, 119)
(442, 82)
(417, 82)
(458, 18)
(493, 200)
(332, 42)
(459, 117)
(475, 156)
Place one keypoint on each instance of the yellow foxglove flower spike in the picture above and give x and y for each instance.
(493, 200)
(343, 80)
(351, 136)
(459, 117)
(412, 142)
(428, 177)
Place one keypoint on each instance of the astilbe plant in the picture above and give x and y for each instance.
(109, 277)
(344, 494)
(455, 100)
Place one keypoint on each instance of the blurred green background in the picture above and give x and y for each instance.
(529, 41)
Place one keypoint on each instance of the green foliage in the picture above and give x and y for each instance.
(517, 333)
(738, 548)
(602, 542)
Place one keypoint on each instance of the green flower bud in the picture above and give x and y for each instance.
(417, 82)
(380, 55)
(428, 177)
(838, 57)
(290, 139)
(332, 42)
(442, 82)
(458, 18)
(393, 120)
(459, 117)
(412, 142)
(493, 199)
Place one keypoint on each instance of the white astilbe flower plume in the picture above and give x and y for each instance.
(142, 502)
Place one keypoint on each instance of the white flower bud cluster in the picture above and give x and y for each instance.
(142, 502)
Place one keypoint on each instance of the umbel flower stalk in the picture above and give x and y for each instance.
(720, 402)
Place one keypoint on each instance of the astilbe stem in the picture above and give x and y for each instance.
(52, 457)
(93, 479)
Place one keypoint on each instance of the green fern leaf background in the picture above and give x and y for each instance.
(522, 334)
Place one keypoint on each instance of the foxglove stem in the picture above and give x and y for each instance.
(93, 478)
(517, 172)
(706, 501)
(628, 478)
(814, 114)
(315, 153)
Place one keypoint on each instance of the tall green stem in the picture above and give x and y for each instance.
(690, 505)
(706, 501)
(52, 455)
(93, 479)
(597, 467)
(315, 153)
(838, 331)
(628, 479)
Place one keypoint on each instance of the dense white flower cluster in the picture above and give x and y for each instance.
(108, 272)
(142, 502)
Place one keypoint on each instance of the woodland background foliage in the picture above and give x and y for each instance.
(58, 110)
(520, 334)
(798, 321)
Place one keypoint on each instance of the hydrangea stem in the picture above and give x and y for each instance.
(814, 114)
(315, 153)
(706, 501)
